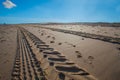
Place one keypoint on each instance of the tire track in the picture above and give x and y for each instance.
(35, 60)
(24, 66)
(88, 35)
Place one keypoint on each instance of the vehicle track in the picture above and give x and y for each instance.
(35, 60)
(88, 35)
(24, 65)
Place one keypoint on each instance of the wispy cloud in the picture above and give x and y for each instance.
(8, 4)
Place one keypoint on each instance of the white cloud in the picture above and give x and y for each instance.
(8, 4)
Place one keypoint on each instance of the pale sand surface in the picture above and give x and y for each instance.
(101, 59)
(53, 63)
(104, 63)
(106, 31)
(7, 51)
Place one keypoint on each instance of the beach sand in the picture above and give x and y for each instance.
(97, 57)
(7, 51)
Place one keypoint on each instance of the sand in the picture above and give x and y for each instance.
(7, 51)
(98, 30)
(104, 53)
(91, 58)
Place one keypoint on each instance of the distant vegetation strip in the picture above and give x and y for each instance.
(102, 24)
(88, 35)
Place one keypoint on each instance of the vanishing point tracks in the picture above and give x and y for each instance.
(35, 60)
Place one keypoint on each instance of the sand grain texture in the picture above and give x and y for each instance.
(7, 51)
(30, 51)
(98, 57)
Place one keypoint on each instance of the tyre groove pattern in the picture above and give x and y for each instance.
(88, 35)
(50, 65)
(24, 66)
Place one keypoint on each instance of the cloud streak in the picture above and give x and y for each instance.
(8, 4)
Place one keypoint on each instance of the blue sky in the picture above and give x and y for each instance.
(34, 11)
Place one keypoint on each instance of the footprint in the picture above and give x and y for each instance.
(74, 45)
(82, 38)
(59, 43)
(90, 58)
(76, 51)
(79, 55)
(70, 44)
(2, 41)
(48, 36)
(42, 34)
(52, 41)
(118, 48)
(53, 38)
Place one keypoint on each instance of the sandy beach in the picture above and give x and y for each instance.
(7, 51)
(34, 51)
